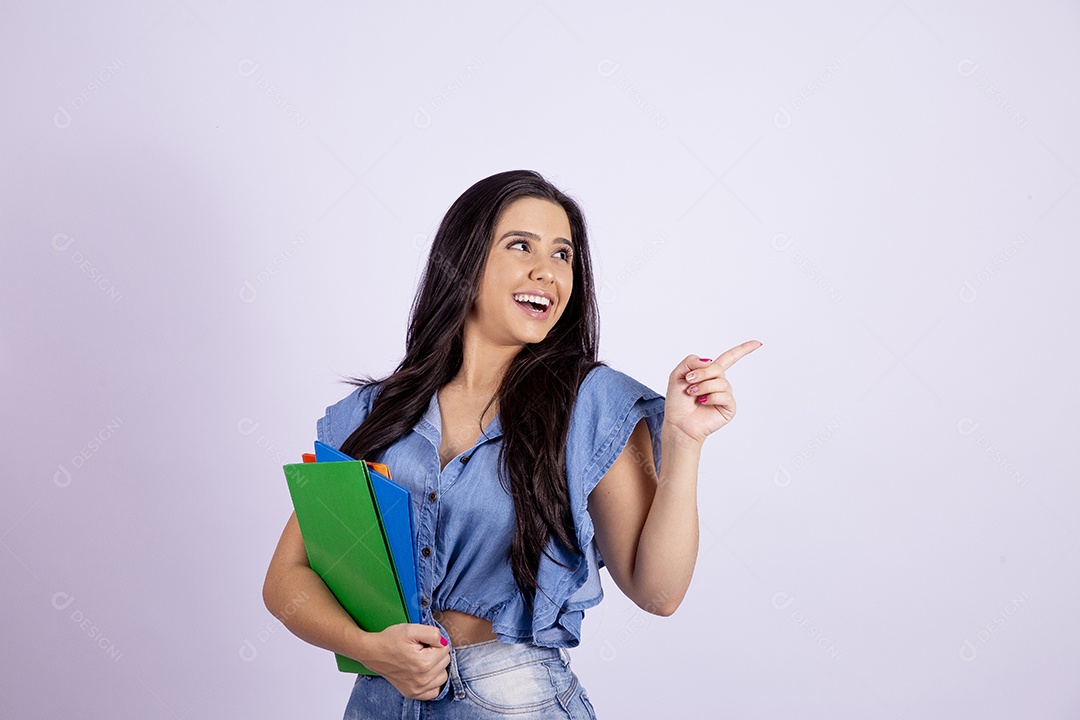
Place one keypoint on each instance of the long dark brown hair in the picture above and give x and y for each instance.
(538, 388)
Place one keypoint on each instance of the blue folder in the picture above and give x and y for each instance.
(395, 507)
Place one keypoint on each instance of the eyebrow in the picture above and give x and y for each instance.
(534, 236)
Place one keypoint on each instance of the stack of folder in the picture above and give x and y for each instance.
(358, 530)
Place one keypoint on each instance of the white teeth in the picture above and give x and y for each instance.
(533, 298)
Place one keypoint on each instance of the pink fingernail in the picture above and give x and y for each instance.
(705, 359)
(444, 643)
(702, 399)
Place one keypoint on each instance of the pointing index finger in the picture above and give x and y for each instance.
(728, 358)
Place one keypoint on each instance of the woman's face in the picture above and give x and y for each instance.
(530, 263)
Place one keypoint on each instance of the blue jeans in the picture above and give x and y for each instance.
(486, 680)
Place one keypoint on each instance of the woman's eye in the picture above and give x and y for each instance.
(566, 255)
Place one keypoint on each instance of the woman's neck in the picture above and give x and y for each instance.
(483, 365)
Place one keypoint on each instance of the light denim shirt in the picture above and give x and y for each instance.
(465, 519)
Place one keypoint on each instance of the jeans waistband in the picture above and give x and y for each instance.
(479, 658)
(492, 655)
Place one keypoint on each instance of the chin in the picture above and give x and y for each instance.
(533, 339)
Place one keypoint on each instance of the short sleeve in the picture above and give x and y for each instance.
(344, 416)
(609, 405)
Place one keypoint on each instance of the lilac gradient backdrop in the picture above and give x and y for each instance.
(211, 212)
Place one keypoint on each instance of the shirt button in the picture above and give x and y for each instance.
(464, 459)
(426, 552)
(424, 602)
(432, 497)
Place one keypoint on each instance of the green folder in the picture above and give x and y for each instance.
(346, 544)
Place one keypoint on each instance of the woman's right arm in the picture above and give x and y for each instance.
(412, 657)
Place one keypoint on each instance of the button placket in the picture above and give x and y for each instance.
(438, 481)
(426, 538)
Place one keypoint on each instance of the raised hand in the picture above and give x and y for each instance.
(699, 399)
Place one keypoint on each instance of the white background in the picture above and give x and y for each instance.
(212, 212)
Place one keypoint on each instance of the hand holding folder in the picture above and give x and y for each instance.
(357, 526)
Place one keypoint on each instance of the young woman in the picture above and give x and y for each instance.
(531, 466)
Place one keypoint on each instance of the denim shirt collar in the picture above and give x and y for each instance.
(430, 425)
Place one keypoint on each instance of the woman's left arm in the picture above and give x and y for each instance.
(647, 526)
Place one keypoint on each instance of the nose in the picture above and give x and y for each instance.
(541, 272)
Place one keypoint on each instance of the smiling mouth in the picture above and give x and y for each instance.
(532, 305)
